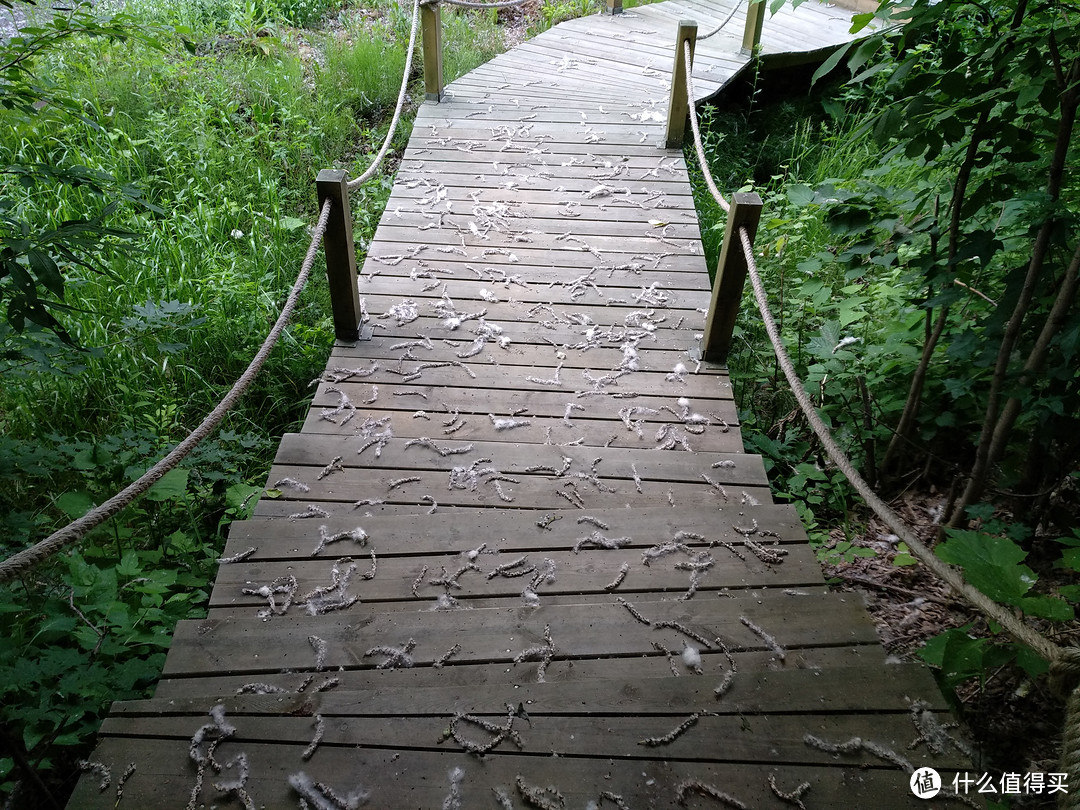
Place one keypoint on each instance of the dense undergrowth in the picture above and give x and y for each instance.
(203, 137)
(919, 246)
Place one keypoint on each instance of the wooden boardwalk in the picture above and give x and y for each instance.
(519, 520)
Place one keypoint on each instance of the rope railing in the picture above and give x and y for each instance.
(466, 4)
(720, 27)
(378, 159)
(699, 148)
(22, 561)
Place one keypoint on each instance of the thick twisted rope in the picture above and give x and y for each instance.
(718, 28)
(465, 4)
(702, 160)
(77, 529)
(400, 103)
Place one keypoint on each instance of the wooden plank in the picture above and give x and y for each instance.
(512, 458)
(497, 636)
(380, 348)
(386, 289)
(524, 404)
(655, 666)
(278, 539)
(584, 572)
(700, 389)
(392, 778)
(751, 738)
(587, 431)
(526, 492)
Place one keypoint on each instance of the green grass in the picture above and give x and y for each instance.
(225, 139)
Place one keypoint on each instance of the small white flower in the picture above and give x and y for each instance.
(236, 233)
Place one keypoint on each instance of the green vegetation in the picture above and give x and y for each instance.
(920, 246)
(154, 211)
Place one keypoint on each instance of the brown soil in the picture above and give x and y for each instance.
(1012, 721)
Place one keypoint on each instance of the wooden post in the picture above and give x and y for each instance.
(755, 19)
(730, 276)
(614, 7)
(678, 105)
(333, 184)
(431, 24)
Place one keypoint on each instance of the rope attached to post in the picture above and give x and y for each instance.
(77, 529)
(702, 160)
(378, 159)
(718, 28)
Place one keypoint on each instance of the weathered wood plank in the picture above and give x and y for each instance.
(164, 777)
(655, 666)
(525, 403)
(466, 528)
(525, 492)
(497, 636)
(579, 573)
(362, 355)
(512, 458)
(749, 738)
(590, 431)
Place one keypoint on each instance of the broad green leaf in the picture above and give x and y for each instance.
(799, 194)
(1033, 664)
(292, 223)
(74, 504)
(172, 485)
(903, 556)
(829, 64)
(860, 21)
(990, 563)
(1047, 607)
(129, 565)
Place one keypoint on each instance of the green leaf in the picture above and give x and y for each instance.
(1034, 665)
(829, 64)
(992, 564)
(1047, 607)
(129, 565)
(903, 556)
(74, 504)
(799, 194)
(172, 485)
(860, 21)
(291, 223)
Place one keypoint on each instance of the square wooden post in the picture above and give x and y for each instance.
(678, 105)
(333, 184)
(614, 7)
(730, 276)
(755, 19)
(431, 26)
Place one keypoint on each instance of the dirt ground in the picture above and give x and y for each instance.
(1012, 722)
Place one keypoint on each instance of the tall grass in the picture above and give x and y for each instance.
(224, 137)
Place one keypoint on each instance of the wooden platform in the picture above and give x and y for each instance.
(517, 556)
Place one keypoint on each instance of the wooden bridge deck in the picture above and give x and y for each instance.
(487, 477)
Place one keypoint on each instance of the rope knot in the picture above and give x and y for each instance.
(1065, 672)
